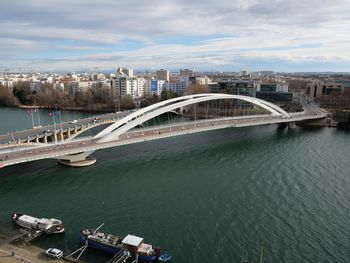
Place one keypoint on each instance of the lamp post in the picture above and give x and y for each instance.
(52, 114)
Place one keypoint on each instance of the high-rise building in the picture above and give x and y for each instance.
(127, 72)
(162, 74)
(186, 72)
(133, 86)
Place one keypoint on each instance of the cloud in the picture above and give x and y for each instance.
(174, 33)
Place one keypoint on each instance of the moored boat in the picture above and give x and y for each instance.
(101, 241)
(113, 244)
(139, 250)
(49, 226)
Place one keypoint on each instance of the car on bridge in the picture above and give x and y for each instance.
(73, 121)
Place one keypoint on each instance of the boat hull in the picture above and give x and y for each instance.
(113, 250)
(99, 246)
(29, 224)
(151, 258)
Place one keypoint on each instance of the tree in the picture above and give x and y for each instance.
(21, 91)
(127, 103)
(84, 99)
(198, 89)
(7, 98)
(343, 118)
(167, 94)
(149, 100)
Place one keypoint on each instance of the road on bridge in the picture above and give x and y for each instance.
(52, 150)
(14, 136)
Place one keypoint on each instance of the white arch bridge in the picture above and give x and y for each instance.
(127, 130)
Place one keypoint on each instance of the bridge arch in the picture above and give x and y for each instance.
(127, 123)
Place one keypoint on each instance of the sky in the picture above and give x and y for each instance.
(206, 35)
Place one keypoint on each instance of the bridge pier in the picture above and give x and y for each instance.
(289, 125)
(292, 125)
(60, 136)
(77, 160)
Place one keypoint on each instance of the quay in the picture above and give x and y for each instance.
(29, 254)
(16, 248)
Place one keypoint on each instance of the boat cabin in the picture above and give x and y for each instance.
(136, 245)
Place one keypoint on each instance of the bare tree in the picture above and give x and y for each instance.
(197, 89)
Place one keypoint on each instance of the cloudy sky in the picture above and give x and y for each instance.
(221, 35)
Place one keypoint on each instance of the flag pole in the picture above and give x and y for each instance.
(38, 117)
(31, 113)
(54, 125)
(59, 114)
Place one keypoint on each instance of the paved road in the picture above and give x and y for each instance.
(138, 135)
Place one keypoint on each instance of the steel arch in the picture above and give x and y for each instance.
(127, 123)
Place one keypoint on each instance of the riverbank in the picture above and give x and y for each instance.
(79, 109)
(29, 254)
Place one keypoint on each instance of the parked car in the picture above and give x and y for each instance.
(54, 253)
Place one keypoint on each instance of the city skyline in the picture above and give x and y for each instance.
(203, 35)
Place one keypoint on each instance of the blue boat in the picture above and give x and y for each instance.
(101, 241)
(166, 257)
(113, 244)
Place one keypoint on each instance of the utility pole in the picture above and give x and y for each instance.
(31, 113)
(54, 126)
(37, 110)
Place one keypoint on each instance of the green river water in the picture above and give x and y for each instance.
(207, 197)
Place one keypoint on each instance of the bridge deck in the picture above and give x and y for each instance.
(20, 155)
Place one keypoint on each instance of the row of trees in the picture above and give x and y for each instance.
(7, 98)
(92, 100)
(343, 119)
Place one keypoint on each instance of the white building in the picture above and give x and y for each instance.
(203, 80)
(123, 86)
(125, 72)
(79, 86)
(143, 86)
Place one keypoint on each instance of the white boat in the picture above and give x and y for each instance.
(49, 226)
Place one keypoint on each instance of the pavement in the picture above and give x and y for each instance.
(15, 135)
(28, 254)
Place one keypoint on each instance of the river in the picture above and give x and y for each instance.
(207, 197)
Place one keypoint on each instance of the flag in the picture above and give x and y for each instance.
(57, 113)
(50, 114)
(29, 112)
